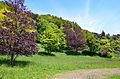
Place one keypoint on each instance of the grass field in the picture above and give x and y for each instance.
(42, 67)
(113, 77)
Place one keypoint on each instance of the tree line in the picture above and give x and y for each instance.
(78, 41)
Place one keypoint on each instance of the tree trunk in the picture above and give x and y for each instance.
(12, 60)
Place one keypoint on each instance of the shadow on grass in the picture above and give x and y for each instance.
(72, 53)
(18, 63)
(88, 53)
(45, 54)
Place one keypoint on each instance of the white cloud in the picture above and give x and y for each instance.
(88, 23)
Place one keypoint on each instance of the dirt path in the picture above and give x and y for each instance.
(88, 74)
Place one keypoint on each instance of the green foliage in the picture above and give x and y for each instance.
(115, 44)
(50, 36)
(41, 26)
(58, 21)
(100, 45)
(3, 8)
(91, 41)
(105, 49)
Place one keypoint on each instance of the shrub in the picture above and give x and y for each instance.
(106, 52)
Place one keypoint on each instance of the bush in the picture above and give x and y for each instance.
(110, 55)
(106, 52)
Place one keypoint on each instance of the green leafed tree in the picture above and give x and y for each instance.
(3, 7)
(92, 41)
(105, 49)
(50, 36)
(116, 45)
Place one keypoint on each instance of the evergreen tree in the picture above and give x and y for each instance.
(102, 34)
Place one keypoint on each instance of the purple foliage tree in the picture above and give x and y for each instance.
(79, 39)
(17, 34)
(75, 39)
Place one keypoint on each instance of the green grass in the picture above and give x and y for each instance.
(115, 77)
(42, 67)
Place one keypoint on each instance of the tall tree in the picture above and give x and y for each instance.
(17, 31)
(50, 36)
(105, 48)
(79, 39)
(75, 39)
(103, 34)
(108, 36)
(92, 42)
(115, 44)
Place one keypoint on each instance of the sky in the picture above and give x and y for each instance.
(93, 15)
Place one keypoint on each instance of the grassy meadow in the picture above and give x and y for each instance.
(113, 77)
(42, 67)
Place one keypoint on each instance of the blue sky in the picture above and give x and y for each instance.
(93, 15)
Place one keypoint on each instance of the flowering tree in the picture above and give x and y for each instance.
(17, 31)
